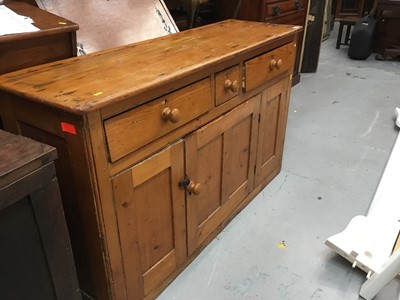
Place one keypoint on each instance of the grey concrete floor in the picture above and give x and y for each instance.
(339, 136)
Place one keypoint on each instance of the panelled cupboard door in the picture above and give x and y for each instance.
(150, 208)
(220, 160)
(273, 115)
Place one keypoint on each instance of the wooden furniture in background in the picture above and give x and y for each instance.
(328, 21)
(31, 2)
(312, 44)
(35, 254)
(191, 6)
(279, 12)
(108, 24)
(190, 13)
(56, 40)
(349, 22)
(347, 8)
(227, 9)
(387, 35)
(161, 143)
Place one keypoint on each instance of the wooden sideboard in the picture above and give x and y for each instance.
(161, 143)
(292, 12)
(56, 40)
(35, 251)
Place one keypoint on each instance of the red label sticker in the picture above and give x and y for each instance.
(66, 127)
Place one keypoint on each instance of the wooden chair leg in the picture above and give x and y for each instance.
(347, 39)
(339, 37)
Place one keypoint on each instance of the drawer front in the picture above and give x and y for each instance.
(293, 18)
(139, 126)
(282, 7)
(227, 84)
(266, 66)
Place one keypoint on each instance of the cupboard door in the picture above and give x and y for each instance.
(151, 218)
(273, 115)
(220, 161)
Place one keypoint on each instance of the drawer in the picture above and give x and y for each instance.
(227, 84)
(294, 18)
(282, 7)
(266, 66)
(140, 126)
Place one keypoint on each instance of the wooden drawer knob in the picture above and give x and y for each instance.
(194, 188)
(279, 64)
(275, 64)
(231, 86)
(272, 65)
(172, 115)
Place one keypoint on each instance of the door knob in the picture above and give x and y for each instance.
(231, 86)
(194, 188)
(172, 115)
(190, 186)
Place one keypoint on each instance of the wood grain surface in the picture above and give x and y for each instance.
(96, 80)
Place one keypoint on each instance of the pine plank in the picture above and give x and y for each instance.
(93, 81)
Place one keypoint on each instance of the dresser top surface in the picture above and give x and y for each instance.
(48, 23)
(94, 81)
(20, 156)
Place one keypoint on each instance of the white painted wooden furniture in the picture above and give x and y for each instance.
(388, 271)
(368, 241)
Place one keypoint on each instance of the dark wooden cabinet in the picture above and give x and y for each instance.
(35, 252)
(387, 35)
(346, 8)
(160, 144)
(292, 12)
